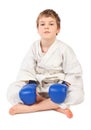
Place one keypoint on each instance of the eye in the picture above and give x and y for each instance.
(51, 24)
(42, 24)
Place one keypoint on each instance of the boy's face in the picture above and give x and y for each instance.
(47, 28)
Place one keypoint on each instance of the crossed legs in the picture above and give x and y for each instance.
(42, 104)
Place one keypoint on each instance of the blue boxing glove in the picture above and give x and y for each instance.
(58, 92)
(28, 93)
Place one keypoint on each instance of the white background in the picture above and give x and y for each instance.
(18, 32)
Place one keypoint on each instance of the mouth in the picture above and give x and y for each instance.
(46, 32)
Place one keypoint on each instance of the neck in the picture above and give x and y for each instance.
(45, 44)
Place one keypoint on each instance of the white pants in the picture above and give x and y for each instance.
(75, 95)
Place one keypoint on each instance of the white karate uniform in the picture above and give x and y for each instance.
(57, 64)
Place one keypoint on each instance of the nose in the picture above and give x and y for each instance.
(46, 26)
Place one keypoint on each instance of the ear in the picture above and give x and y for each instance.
(58, 30)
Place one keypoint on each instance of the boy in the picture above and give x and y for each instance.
(48, 62)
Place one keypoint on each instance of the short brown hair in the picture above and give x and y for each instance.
(49, 13)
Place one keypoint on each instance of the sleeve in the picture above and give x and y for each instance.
(27, 69)
(25, 74)
(72, 68)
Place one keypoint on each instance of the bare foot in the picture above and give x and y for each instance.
(21, 108)
(18, 109)
(66, 111)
